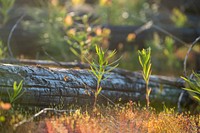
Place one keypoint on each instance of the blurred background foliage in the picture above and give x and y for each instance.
(124, 12)
(60, 30)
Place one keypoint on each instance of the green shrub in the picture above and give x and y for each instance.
(124, 12)
(6, 6)
(48, 25)
(82, 39)
(193, 86)
(179, 18)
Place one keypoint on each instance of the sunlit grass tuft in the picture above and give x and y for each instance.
(124, 118)
(121, 118)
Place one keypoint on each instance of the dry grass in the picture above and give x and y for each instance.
(107, 119)
(121, 119)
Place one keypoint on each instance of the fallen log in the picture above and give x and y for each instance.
(45, 86)
(160, 79)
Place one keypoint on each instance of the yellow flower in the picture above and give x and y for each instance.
(106, 32)
(54, 2)
(5, 106)
(71, 32)
(68, 20)
(105, 2)
(131, 37)
(77, 2)
(98, 31)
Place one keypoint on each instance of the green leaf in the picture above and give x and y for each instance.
(191, 90)
(94, 72)
(140, 60)
(17, 91)
(193, 86)
(15, 86)
(197, 98)
(19, 95)
(149, 91)
(74, 52)
(19, 87)
(148, 70)
(2, 118)
(112, 68)
(115, 61)
(69, 42)
(111, 54)
(99, 90)
(9, 95)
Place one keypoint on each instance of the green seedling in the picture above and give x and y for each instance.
(193, 86)
(101, 67)
(17, 92)
(145, 62)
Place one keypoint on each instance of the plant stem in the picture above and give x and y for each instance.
(188, 52)
(81, 55)
(147, 96)
(95, 101)
(95, 95)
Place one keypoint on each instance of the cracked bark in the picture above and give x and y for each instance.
(45, 86)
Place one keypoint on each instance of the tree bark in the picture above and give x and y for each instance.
(46, 86)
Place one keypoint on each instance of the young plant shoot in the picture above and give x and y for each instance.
(17, 91)
(193, 86)
(100, 67)
(145, 62)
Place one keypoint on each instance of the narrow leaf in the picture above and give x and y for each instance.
(99, 90)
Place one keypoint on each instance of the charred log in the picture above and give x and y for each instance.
(45, 86)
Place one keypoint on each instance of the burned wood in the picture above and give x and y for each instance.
(46, 63)
(46, 86)
(160, 79)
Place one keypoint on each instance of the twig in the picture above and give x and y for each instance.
(179, 101)
(58, 111)
(171, 35)
(38, 114)
(11, 33)
(55, 110)
(185, 72)
(151, 24)
(144, 27)
(52, 58)
(188, 52)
